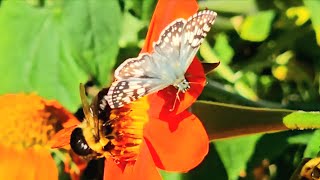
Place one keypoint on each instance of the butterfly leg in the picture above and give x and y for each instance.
(175, 100)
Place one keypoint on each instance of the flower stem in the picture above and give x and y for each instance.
(226, 120)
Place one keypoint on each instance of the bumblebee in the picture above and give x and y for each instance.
(116, 133)
(92, 138)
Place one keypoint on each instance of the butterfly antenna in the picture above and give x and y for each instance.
(175, 101)
(195, 83)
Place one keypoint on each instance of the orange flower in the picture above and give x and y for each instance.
(145, 135)
(172, 141)
(145, 143)
(28, 122)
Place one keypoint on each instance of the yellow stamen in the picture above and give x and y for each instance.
(128, 123)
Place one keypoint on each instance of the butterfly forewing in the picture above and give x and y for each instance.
(194, 32)
(168, 45)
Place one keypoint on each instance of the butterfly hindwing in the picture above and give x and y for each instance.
(138, 67)
(125, 91)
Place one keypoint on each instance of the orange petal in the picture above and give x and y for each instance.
(162, 102)
(178, 144)
(112, 170)
(61, 138)
(44, 165)
(167, 11)
(143, 168)
(29, 164)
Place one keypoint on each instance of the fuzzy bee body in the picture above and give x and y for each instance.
(115, 133)
(92, 138)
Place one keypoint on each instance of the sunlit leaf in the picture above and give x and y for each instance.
(245, 91)
(302, 120)
(222, 48)
(244, 6)
(171, 176)
(302, 138)
(257, 27)
(210, 56)
(52, 48)
(313, 147)
(130, 35)
(314, 8)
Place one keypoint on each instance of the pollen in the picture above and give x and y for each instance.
(26, 121)
(128, 123)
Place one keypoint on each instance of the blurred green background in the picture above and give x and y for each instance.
(269, 53)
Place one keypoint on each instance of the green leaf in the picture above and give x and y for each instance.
(302, 138)
(235, 153)
(210, 56)
(244, 90)
(223, 70)
(147, 9)
(51, 49)
(314, 8)
(244, 6)
(222, 48)
(130, 35)
(257, 27)
(302, 120)
(171, 175)
(313, 147)
(94, 28)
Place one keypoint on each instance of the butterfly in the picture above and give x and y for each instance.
(173, 53)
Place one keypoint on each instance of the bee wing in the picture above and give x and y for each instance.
(94, 111)
(62, 138)
(90, 111)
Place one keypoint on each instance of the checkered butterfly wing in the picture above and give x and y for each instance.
(195, 31)
(182, 39)
(135, 78)
(148, 73)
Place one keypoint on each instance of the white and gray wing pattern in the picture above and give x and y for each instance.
(194, 32)
(135, 78)
(180, 41)
(173, 53)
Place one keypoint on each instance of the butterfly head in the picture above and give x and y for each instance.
(182, 85)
